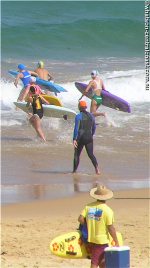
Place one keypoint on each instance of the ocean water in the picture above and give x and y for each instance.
(73, 38)
(72, 30)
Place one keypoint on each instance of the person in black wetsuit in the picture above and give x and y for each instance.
(35, 119)
(84, 130)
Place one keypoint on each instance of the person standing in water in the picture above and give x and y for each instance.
(38, 89)
(25, 77)
(36, 100)
(97, 85)
(45, 75)
(42, 72)
(84, 130)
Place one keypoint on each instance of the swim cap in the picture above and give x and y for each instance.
(94, 73)
(21, 67)
(82, 104)
(40, 64)
(32, 79)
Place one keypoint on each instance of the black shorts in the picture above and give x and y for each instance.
(39, 114)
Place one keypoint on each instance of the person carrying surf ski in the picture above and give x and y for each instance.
(24, 75)
(84, 130)
(35, 119)
(44, 75)
(42, 72)
(97, 85)
(38, 89)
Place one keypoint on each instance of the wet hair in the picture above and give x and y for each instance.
(32, 89)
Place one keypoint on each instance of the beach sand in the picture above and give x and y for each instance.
(28, 228)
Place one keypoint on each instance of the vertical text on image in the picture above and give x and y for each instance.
(147, 4)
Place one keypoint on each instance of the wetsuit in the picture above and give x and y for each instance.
(37, 106)
(83, 133)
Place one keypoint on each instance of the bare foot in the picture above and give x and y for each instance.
(105, 115)
(97, 171)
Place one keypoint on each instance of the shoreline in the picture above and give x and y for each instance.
(121, 166)
(28, 228)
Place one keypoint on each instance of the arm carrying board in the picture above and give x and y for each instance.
(46, 84)
(109, 100)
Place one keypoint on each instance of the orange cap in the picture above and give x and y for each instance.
(83, 104)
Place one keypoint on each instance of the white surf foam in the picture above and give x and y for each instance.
(129, 85)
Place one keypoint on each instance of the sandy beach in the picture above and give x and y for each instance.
(28, 228)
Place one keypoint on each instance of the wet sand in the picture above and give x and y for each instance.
(28, 228)
(32, 170)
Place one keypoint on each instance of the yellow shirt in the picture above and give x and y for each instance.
(98, 217)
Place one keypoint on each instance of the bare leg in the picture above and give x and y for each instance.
(23, 94)
(36, 123)
(93, 266)
(94, 108)
(102, 263)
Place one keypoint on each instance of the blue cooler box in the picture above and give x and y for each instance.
(117, 257)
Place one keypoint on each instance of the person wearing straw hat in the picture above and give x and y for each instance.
(84, 130)
(99, 219)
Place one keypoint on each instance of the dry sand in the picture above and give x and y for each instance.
(28, 228)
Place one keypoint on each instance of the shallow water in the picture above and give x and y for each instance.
(33, 170)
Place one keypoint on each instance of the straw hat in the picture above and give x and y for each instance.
(101, 193)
